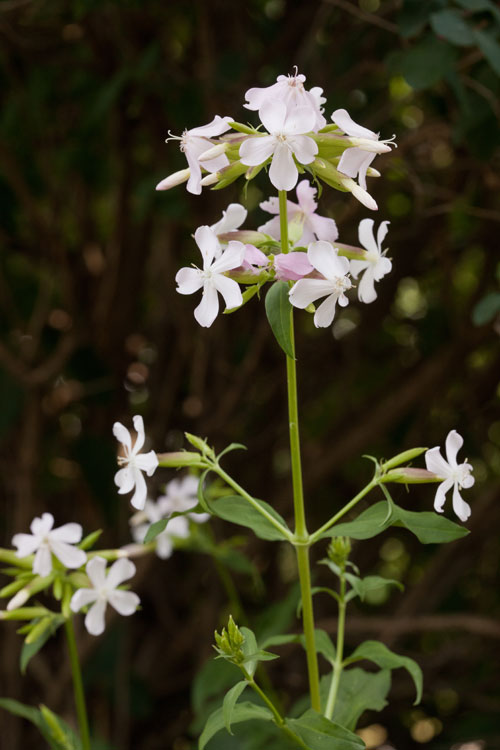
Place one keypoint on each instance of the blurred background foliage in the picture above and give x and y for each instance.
(92, 331)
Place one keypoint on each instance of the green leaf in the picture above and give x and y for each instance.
(489, 47)
(486, 309)
(230, 700)
(24, 712)
(321, 734)
(241, 712)
(322, 640)
(387, 659)
(215, 676)
(156, 528)
(232, 447)
(450, 25)
(426, 63)
(238, 510)
(54, 730)
(250, 650)
(29, 650)
(476, 6)
(429, 528)
(278, 311)
(201, 497)
(360, 691)
(361, 586)
(90, 540)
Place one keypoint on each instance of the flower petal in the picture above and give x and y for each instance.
(304, 148)
(461, 508)
(366, 287)
(272, 205)
(306, 195)
(188, 280)
(207, 310)
(323, 227)
(138, 499)
(306, 291)
(194, 182)
(232, 218)
(257, 150)
(343, 119)
(357, 266)
(301, 120)
(272, 227)
(94, 619)
(71, 557)
(125, 602)
(283, 172)
(140, 437)
(42, 564)
(454, 442)
(218, 126)
(435, 462)
(122, 435)
(366, 238)
(324, 315)
(69, 532)
(440, 496)
(26, 544)
(273, 114)
(42, 526)
(81, 598)
(209, 246)
(382, 231)
(124, 480)
(292, 266)
(164, 546)
(232, 257)
(96, 571)
(230, 291)
(355, 162)
(147, 462)
(120, 571)
(326, 260)
(382, 268)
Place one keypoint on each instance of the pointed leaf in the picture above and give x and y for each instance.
(232, 447)
(230, 700)
(238, 510)
(29, 650)
(361, 586)
(279, 311)
(321, 734)
(242, 712)
(360, 691)
(156, 528)
(450, 25)
(387, 659)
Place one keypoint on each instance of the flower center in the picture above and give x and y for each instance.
(341, 283)
(461, 473)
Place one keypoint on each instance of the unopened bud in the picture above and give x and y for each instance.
(402, 458)
(210, 179)
(214, 152)
(369, 144)
(246, 236)
(362, 195)
(230, 641)
(339, 550)
(177, 178)
(372, 172)
(407, 475)
(181, 459)
(19, 599)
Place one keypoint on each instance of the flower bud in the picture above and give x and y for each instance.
(402, 458)
(362, 195)
(180, 459)
(339, 550)
(210, 179)
(200, 445)
(177, 178)
(368, 144)
(229, 642)
(214, 152)
(246, 236)
(407, 475)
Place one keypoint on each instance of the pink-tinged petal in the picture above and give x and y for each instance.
(125, 602)
(214, 165)
(382, 268)
(147, 462)
(138, 499)
(323, 227)
(71, 533)
(304, 148)
(94, 619)
(381, 234)
(188, 280)
(357, 266)
(255, 97)
(194, 182)
(232, 257)
(124, 480)
(209, 246)
(306, 291)
(306, 194)
(292, 266)
(273, 115)
(343, 119)
(42, 564)
(435, 462)
(164, 546)
(366, 287)
(254, 256)
(218, 126)
(123, 436)
(272, 205)
(271, 227)
(454, 442)
(120, 571)
(82, 598)
(232, 218)
(461, 508)
(325, 259)
(71, 557)
(140, 437)
(324, 315)
(257, 150)
(26, 544)
(96, 571)
(354, 162)
(300, 120)
(207, 310)
(42, 526)
(440, 496)
(283, 172)
(366, 238)
(230, 291)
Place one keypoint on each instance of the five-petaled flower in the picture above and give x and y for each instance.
(292, 92)
(45, 541)
(134, 463)
(216, 263)
(334, 269)
(375, 265)
(454, 475)
(104, 590)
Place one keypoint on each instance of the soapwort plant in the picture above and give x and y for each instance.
(293, 261)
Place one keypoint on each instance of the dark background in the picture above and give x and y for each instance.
(92, 331)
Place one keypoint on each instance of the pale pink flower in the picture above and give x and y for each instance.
(315, 227)
(291, 91)
(454, 475)
(292, 266)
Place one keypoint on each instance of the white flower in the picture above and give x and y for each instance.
(232, 219)
(290, 90)
(325, 259)
(105, 591)
(194, 143)
(177, 527)
(455, 475)
(211, 278)
(376, 265)
(314, 227)
(285, 141)
(134, 463)
(46, 541)
(355, 161)
(180, 496)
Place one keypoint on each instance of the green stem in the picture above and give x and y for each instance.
(317, 534)
(81, 709)
(278, 719)
(301, 535)
(339, 656)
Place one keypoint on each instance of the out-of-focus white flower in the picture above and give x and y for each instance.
(45, 541)
(286, 139)
(134, 463)
(194, 143)
(212, 279)
(375, 265)
(325, 259)
(291, 91)
(314, 227)
(455, 475)
(232, 219)
(177, 528)
(104, 590)
(180, 496)
(355, 161)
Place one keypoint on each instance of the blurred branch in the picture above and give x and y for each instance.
(394, 626)
(364, 15)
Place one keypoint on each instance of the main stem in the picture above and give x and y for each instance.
(81, 709)
(301, 535)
